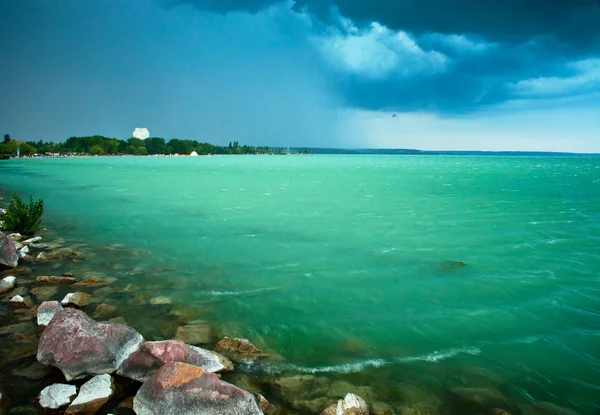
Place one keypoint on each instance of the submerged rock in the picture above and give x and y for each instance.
(53, 280)
(199, 333)
(350, 405)
(151, 356)
(46, 312)
(76, 299)
(8, 251)
(45, 292)
(451, 266)
(382, 408)
(95, 282)
(238, 349)
(182, 389)
(80, 346)
(7, 284)
(104, 310)
(57, 396)
(93, 394)
(264, 405)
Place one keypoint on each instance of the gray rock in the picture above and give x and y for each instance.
(80, 346)
(7, 284)
(350, 405)
(92, 396)
(16, 236)
(151, 356)
(182, 389)
(46, 311)
(8, 251)
(23, 252)
(57, 396)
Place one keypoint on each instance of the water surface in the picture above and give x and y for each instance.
(432, 270)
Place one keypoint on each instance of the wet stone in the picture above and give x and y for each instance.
(92, 395)
(20, 302)
(350, 405)
(95, 282)
(238, 349)
(46, 312)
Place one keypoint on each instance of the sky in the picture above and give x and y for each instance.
(418, 74)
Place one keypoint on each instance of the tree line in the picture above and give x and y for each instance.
(100, 145)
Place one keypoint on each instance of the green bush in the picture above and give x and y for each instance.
(21, 217)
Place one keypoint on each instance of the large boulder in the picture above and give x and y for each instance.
(350, 405)
(7, 284)
(46, 312)
(182, 389)
(93, 394)
(80, 346)
(8, 251)
(56, 396)
(238, 349)
(151, 356)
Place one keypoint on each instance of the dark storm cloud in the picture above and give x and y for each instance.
(466, 53)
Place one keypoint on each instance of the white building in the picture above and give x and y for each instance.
(141, 133)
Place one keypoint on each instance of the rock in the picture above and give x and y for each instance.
(68, 274)
(21, 345)
(16, 236)
(38, 246)
(95, 282)
(350, 405)
(292, 388)
(181, 389)
(264, 405)
(18, 270)
(33, 371)
(151, 356)
(118, 320)
(52, 280)
(18, 246)
(339, 389)
(161, 300)
(419, 409)
(46, 312)
(57, 396)
(17, 328)
(200, 333)
(480, 398)
(237, 349)
(20, 302)
(104, 310)
(381, 408)
(8, 251)
(45, 292)
(31, 240)
(76, 299)
(7, 284)
(80, 346)
(23, 252)
(498, 411)
(93, 394)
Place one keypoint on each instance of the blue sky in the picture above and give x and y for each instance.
(427, 74)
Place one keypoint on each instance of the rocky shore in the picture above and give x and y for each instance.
(65, 347)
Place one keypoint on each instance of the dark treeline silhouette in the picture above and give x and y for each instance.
(100, 145)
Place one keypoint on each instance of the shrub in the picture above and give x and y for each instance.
(21, 217)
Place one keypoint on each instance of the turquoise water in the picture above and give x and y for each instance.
(340, 263)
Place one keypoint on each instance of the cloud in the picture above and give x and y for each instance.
(377, 52)
(585, 78)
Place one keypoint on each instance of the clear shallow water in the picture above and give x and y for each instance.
(338, 262)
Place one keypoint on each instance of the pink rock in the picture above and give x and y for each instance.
(8, 251)
(80, 346)
(151, 356)
(181, 389)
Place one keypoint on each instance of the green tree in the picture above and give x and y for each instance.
(21, 217)
(6, 138)
(96, 150)
(141, 151)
